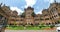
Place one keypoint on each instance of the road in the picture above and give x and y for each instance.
(30, 30)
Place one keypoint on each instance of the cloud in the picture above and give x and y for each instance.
(50, 1)
(17, 9)
(40, 12)
(30, 3)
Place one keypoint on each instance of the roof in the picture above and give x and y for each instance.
(29, 8)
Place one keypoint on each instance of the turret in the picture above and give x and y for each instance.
(54, 1)
(0, 5)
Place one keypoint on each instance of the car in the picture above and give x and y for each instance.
(58, 29)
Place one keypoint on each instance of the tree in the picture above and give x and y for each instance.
(23, 15)
(52, 26)
(58, 21)
(33, 14)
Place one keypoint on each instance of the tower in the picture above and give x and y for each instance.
(0, 5)
(28, 16)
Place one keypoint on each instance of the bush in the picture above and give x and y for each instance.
(40, 26)
(52, 26)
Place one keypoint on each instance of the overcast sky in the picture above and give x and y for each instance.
(19, 5)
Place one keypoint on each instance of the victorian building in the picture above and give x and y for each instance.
(49, 16)
(4, 16)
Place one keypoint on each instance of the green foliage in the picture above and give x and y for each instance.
(40, 27)
(23, 15)
(42, 24)
(58, 21)
(33, 14)
(52, 26)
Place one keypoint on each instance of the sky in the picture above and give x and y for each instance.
(19, 5)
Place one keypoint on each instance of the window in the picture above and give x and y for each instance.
(59, 14)
(13, 16)
(1, 17)
(29, 13)
(50, 18)
(41, 19)
(46, 15)
(47, 19)
(49, 23)
(54, 11)
(55, 16)
(21, 19)
(28, 18)
(17, 20)
(36, 19)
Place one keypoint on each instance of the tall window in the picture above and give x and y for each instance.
(54, 11)
(59, 14)
(47, 19)
(1, 17)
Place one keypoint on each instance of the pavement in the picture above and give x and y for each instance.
(30, 31)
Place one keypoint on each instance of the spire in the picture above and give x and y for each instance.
(0, 4)
(4, 4)
(54, 1)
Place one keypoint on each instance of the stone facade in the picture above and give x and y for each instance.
(28, 17)
(3, 17)
(51, 15)
(48, 16)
